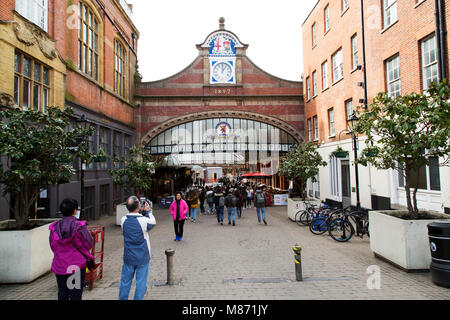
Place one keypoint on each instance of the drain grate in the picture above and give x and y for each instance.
(282, 280)
(267, 280)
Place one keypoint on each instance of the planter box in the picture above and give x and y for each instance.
(403, 243)
(25, 255)
(121, 211)
(296, 204)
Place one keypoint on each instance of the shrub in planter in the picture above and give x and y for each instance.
(300, 164)
(39, 148)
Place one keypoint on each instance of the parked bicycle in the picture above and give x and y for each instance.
(303, 217)
(341, 229)
(320, 221)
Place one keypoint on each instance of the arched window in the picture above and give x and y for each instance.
(88, 42)
(119, 68)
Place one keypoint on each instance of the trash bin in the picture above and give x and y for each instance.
(439, 236)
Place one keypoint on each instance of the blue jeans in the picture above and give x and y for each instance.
(231, 214)
(127, 278)
(194, 213)
(249, 202)
(219, 212)
(239, 211)
(263, 213)
(211, 206)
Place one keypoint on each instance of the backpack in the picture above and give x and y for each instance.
(222, 201)
(260, 199)
(234, 201)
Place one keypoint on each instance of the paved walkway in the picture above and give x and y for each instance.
(247, 261)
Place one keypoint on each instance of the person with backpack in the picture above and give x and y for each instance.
(217, 195)
(244, 197)
(260, 203)
(230, 202)
(220, 208)
(194, 202)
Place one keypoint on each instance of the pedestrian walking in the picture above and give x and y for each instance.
(230, 203)
(136, 252)
(218, 193)
(210, 200)
(193, 202)
(70, 241)
(239, 204)
(220, 208)
(249, 197)
(260, 202)
(201, 197)
(244, 196)
(178, 209)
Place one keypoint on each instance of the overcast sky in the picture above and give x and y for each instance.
(170, 29)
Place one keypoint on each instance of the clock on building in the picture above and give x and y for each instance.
(222, 72)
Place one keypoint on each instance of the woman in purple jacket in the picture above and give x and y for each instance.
(70, 241)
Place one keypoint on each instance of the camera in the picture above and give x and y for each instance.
(143, 200)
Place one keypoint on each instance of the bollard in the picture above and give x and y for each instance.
(298, 262)
(169, 254)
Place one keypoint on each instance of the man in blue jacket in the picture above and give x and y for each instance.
(136, 252)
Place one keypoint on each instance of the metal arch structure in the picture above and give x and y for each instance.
(280, 124)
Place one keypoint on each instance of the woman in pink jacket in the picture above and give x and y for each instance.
(70, 242)
(178, 209)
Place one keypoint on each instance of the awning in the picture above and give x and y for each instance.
(255, 174)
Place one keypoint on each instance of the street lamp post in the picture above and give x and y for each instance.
(351, 123)
(82, 120)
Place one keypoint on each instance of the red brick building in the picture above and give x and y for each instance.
(180, 115)
(82, 54)
(402, 56)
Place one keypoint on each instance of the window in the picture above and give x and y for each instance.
(313, 34)
(389, 12)
(309, 130)
(31, 83)
(393, 84)
(314, 78)
(308, 89)
(104, 200)
(429, 62)
(327, 18)
(331, 121)
(120, 68)
(428, 177)
(344, 5)
(325, 75)
(88, 42)
(104, 145)
(338, 67)
(316, 128)
(34, 10)
(334, 177)
(348, 110)
(354, 52)
(117, 139)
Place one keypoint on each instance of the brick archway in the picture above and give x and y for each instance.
(148, 137)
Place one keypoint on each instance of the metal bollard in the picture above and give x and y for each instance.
(169, 255)
(298, 262)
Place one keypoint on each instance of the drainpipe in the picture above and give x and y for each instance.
(441, 36)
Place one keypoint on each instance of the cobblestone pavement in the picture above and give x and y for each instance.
(246, 261)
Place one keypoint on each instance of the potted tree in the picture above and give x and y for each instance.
(300, 164)
(404, 134)
(39, 149)
(138, 166)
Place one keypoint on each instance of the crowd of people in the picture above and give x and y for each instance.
(71, 241)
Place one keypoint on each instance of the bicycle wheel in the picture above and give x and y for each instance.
(341, 230)
(305, 218)
(297, 217)
(318, 225)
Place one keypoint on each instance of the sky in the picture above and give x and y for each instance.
(171, 29)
